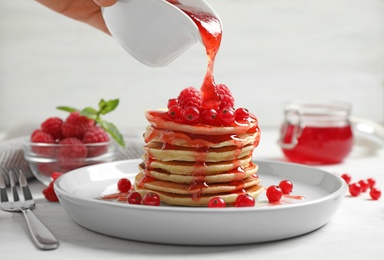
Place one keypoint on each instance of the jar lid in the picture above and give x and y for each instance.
(317, 112)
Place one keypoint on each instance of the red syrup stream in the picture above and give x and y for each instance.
(211, 34)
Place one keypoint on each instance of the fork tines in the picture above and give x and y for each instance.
(3, 191)
(24, 186)
(13, 187)
(22, 183)
(42, 237)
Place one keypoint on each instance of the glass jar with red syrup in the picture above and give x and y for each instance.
(316, 133)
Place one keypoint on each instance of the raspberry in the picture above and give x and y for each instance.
(35, 132)
(76, 125)
(55, 175)
(52, 126)
(71, 148)
(225, 96)
(96, 134)
(46, 169)
(190, 97)
(49, 193)
(38, 136)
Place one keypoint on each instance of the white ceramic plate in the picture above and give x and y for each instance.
(78, 191)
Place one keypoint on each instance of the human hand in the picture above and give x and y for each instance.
(87, 11)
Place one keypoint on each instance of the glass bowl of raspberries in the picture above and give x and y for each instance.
(64, 145)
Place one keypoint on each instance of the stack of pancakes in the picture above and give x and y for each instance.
(189, 165)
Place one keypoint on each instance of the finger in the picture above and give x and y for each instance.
(105, 3)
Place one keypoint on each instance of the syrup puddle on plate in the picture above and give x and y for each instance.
(261, 200)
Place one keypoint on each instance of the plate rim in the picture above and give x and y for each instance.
(174, 208)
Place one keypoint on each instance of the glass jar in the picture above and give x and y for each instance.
(316, 132)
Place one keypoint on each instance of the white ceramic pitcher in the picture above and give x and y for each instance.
(155, 32)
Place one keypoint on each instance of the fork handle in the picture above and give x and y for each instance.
(41, 235)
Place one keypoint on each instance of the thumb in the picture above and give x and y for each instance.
(105, 3)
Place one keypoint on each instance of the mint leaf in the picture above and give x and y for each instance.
(90, 113)
(113, 131)
(67, 109)
(107, 106)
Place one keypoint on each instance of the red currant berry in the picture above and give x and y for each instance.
(151, 199)
(371, 182)
(286, 186)
(134, 198)
(124, 185)
(355, 189)
(191, 115)
(227, 115)
(274, 193)
(346, 177)
(209, 116)
(375, 193)
(216, 202)
(174, 112)
(172, 102)
(364, 185)
(245, 200)
(241, 114)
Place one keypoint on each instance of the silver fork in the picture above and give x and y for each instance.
(42, 237)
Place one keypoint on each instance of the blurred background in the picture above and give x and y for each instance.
(272, 51)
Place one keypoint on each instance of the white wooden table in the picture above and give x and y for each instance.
(356, 231)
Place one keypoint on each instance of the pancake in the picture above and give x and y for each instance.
(160, 120)
(234, 174)
(199, 199)
(189, 168)
(163, 152)
(188, 165)
(202, 187)
(198, 140)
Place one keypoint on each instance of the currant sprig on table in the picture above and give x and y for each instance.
(104, 107)
(361, 186)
